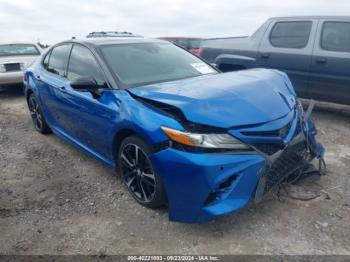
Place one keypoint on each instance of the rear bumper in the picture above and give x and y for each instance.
(11, 78)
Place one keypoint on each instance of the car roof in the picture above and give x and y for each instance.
(111, 34)
(311, 17)
(180, 37)
(100, 41)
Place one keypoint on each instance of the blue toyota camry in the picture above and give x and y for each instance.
(178, 131)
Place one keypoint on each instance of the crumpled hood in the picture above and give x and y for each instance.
(228, 99)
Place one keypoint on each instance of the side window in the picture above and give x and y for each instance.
(58, 59)
(291, 34)
(336, 36)
(46, 60)
(83, 63)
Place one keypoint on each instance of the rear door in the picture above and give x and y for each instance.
(287, 45)
(51, 80)
(330, 69)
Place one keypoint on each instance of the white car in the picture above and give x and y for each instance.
(14, 59)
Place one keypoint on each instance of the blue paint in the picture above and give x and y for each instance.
(251, 100)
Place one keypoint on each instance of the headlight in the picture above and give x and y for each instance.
(2, 68)
(218, 141)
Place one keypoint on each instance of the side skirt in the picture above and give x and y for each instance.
(85, 149)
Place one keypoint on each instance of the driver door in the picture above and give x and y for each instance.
(88, 119)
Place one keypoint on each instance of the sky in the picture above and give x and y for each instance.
(58, 20)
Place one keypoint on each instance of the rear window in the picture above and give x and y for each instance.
(291, 34)
(18, 49)
(336, 36)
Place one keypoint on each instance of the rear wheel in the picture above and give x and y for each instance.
(37, 116)
(138, 173)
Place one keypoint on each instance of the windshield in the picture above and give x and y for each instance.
(18, 49)
(144, 63)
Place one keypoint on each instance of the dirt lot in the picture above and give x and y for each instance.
(56, 200)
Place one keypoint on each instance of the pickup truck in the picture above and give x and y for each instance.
(313, 51)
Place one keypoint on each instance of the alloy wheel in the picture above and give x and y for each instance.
(35, 113)
(138, 173)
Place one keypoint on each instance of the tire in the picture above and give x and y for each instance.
(38, 118)
(138, 173)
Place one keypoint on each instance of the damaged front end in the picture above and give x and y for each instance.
(227, 146)
(203, 184)
(294, 161)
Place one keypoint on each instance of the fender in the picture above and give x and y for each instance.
(236, 61)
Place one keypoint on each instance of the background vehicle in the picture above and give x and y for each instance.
(14, 59)
(190, 43)
(178, 130)
(111, 34)
(313, 51)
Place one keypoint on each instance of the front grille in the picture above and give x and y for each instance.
(268, 148)
(290, 160)
(282, 132)
(12, 67)
(272, 148)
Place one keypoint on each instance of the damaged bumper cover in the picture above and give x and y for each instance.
(201, 186)
(294, 159)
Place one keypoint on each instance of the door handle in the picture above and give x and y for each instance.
(321, 60)
(265, 55)
(38, 78)
(63, 89)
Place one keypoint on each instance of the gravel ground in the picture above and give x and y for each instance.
(56, 200)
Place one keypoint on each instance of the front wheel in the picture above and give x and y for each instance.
(138, 173)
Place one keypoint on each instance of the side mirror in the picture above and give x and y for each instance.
(84, 83)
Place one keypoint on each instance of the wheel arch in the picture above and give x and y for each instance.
(230, 67)
(29, 91)
(231, 62)
(119, 137)
(156, 142)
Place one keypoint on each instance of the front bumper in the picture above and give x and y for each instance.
(201, 186)
(11, 78)
(190, 179)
